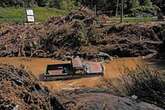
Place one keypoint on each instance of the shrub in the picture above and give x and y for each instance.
(144, 11)
(147, 84)
(67, 4)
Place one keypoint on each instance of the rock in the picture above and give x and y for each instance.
(102, 101)
(134, 97)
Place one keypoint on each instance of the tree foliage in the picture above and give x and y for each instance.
(102, 6)
(135, 3)
(144, 9)
(148, 3)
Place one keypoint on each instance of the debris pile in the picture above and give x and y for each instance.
(132, 40)
(80, 31)
(70, 33)
(18, 40)
(20, 91)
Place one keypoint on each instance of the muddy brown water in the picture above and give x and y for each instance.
(113, 69)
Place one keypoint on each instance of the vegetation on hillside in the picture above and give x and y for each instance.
(146, 84)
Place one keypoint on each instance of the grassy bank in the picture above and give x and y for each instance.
(134, 19)
(12, 14)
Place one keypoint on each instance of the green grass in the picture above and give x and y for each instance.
(133, 19)
(12, 14)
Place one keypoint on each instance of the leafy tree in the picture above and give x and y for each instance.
(135, 3)
(117, 7)
(160, 4)
(148, 3)
(67, 4)
(54, 3)
(62, 4)
(109, 7)
(29, 3)
(42, 2)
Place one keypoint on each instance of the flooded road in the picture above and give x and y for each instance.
(113, 69)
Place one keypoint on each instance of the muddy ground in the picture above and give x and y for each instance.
(20, 90)
(37, 66)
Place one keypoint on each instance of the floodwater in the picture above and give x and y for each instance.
(113, 69)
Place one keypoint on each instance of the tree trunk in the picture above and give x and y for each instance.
(117, 7)
(122, 11)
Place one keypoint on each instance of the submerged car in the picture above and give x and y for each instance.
(75, 69)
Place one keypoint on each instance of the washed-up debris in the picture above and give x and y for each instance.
(20, 91)
(74, 34)
(80, 31)
(132, 40)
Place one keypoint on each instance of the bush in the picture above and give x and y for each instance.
(42, 3)
(67, 4)
(144, 11)
(147, 84)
